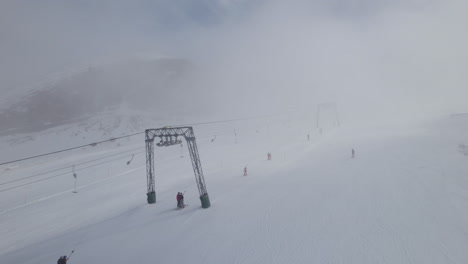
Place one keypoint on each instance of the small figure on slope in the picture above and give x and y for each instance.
(180, 200)
(352, 153)
(178, 197)
(62, 260)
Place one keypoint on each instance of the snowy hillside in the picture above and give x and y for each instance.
(402, 199)
(155, 86)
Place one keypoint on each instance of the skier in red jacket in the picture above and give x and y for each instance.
(179, 199)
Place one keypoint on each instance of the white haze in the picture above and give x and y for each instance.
(377, 60)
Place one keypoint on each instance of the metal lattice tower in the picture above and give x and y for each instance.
(168, 137)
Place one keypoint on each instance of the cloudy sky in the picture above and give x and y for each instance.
(391, 57)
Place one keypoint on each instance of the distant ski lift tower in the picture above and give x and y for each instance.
(169, 137)
(330, 108)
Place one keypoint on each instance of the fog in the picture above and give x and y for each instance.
(377, 60)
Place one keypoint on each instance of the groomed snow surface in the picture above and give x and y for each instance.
(402, 199)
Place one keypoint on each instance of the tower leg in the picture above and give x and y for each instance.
(197, 169)
(150, 194)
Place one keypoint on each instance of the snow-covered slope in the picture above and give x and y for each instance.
(401, 200)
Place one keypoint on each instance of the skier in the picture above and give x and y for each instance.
(179, 198)
(352, 153)
(62, 260)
